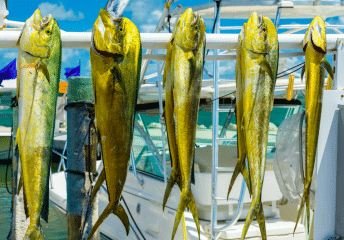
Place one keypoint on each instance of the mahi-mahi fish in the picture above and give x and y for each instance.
(115, 66)
(258, 72)
(39, 65)
(182, 81)
(241, 165)
(314, 45)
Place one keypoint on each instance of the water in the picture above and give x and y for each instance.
(55, 229)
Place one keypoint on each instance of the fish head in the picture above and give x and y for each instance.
(188, 30)
(39, 35)
(256, 34)
(316, 35)
(108, 34)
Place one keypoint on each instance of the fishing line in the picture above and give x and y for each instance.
(218, 3)
(291, 72)
(291, 68)
(131, 216)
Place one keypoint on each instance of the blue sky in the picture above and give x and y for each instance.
(79, 16)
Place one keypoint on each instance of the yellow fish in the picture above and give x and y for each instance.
(115, 67)
(257, 70)
(241, 165)
(39, 65)
(314, 44)
(182, 81)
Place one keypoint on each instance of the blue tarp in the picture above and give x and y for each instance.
(8, 72)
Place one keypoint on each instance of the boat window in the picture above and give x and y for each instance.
(147, 145)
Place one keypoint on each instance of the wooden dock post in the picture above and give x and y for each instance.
(81, 154)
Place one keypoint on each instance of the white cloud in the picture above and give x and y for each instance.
(10, 55)
(146, 14)
(88, 66)
(59, 12)
(68, 54)
(149, 28)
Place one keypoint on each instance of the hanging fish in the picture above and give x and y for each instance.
(182, 81)
(115, 67)
(257, 72)
(39, 65)
(241, 165)
(314, 45)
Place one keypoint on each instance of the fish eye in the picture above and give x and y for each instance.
(47, 31)
(196, 28)
(264, 29)
(121, 29)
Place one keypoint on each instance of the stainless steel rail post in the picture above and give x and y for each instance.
(215, 134)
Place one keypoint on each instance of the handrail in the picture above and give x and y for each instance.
(237, 214)
(132, 158)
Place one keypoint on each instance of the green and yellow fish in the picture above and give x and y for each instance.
(241, 165)
(256, 77)
(39, 65)
(182, 81)
(115, 67)
(314, 45)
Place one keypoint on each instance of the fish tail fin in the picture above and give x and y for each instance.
(170, 184)
(256, 209)
(122, 215)
(240, 168)
(34, 232)
(261, 221)
(111, 208)
(186, 200)
(305, 199)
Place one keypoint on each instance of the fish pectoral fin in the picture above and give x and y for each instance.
(169, 187)
(40, 65)
(267, 68)
(186, 200)
(325, 64)
(303, 72)
(122, 215)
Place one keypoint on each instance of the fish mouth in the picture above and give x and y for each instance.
(116, 56)
(194, 21)
(260, 20)
(46, 20)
